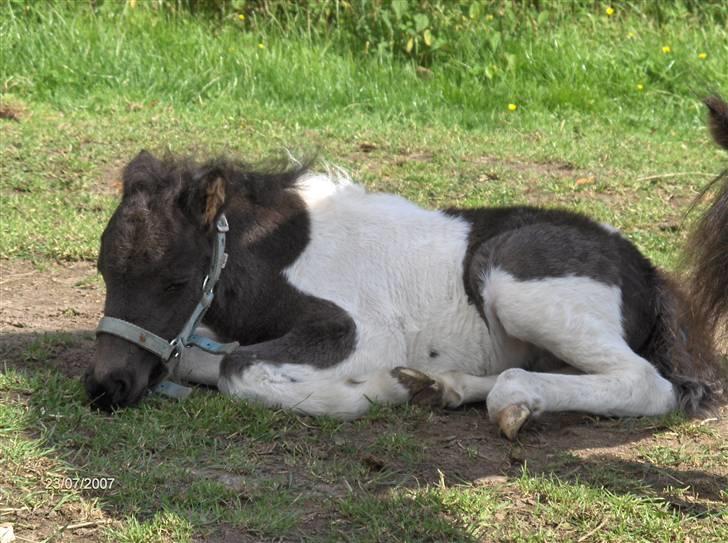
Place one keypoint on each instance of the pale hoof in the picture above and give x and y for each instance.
(422, 389)
(511, 419)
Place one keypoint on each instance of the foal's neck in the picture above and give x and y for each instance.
(254, 302)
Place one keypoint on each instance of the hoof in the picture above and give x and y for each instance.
(422, 389)
(511, 419)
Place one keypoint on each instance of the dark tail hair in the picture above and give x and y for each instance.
(688, 319)
(707, 248)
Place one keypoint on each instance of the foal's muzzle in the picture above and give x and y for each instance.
(121, 374)
(110, 393)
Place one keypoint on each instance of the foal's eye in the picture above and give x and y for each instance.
(175, 285)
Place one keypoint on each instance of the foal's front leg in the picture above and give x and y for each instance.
(449, 389)
(315, 369)
(198, 366)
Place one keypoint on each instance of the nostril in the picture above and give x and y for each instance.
(120, 387)
(110, 392)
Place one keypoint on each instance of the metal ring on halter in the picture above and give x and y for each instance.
(176, 348)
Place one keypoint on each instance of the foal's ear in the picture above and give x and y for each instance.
(141, 173)
(214, 200)
(207, 199)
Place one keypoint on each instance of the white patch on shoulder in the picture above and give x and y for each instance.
(316, 188)
(397, 269)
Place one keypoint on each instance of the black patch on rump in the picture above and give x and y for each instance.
(532, 243)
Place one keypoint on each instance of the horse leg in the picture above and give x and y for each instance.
(454, 388)
(579, 320)
(198, 366)
(449, 389)
(310, 391)
(315, 372)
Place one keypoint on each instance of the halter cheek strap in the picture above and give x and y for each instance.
(137, 335)
(169, 351)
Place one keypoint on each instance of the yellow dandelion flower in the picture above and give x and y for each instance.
(512, 107)
(666, 49)
(609, 11)
(261, 46)
(702, 56)
(640, 87)
(241, 17)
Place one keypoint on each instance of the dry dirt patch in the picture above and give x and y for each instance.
(64, 298)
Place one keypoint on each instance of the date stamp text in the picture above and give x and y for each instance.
(79, 483)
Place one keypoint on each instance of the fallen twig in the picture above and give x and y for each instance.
(592, 532)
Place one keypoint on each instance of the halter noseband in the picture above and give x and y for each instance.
(170, 351)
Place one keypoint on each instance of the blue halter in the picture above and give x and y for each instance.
(170, 351)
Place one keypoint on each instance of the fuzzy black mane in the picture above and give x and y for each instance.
(154, 190)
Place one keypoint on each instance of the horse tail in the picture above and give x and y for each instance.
(707, 248)
(689, 320)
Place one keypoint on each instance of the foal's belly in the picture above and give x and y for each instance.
(452, 338)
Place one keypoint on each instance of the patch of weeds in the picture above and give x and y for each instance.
(33, 488)
(398, 517)
(163, 527)
(400, 445)
(393, 415)
(678, 424)
(459, 513)
(90, 282)
(561, 508)
(684, 454)
(204, 502)
(272, 513)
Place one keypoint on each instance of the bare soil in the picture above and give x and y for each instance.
(463, 444)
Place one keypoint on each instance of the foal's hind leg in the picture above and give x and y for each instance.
(579, 320)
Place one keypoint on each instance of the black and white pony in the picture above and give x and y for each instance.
(339, 298)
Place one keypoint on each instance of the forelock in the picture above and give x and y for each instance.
(138, 235)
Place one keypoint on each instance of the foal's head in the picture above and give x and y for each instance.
(154, 254)
(157, 249)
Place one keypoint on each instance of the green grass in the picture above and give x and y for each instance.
(95, 92)
(89, 89)
(193, 468)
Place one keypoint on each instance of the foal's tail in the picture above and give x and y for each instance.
(708, 245)
(690, 319)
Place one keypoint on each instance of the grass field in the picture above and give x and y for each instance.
(582, 108)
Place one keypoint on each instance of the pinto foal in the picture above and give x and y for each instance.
(339, 298)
